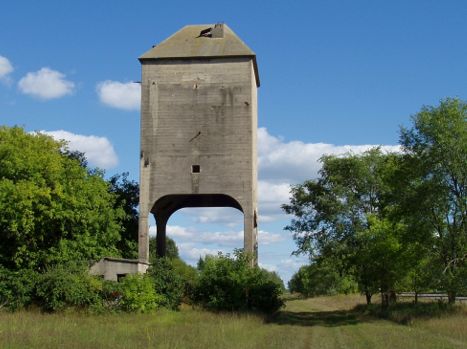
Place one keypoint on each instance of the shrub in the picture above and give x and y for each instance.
(265, 291)
(134, 293)
(65, 286)
(167, 282)
(138, 294)
(229, 283)
(110, 295)
(189, 276)
(16, 288)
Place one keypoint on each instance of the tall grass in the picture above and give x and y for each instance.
(322, 322)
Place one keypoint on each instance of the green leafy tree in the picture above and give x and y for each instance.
(339, 216)
(171, 249)
(52, 209)
(382, 256)
(127, 197)
(321, 278)
(422, 276)
(435, 187)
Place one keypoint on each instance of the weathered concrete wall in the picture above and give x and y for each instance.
(199, 112)
(113, 268)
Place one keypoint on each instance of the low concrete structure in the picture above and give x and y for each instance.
(115, 268)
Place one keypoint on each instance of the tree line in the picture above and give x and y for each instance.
(387, 222)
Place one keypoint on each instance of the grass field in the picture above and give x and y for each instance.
(323, 322)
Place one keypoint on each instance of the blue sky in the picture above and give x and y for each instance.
(335, 76)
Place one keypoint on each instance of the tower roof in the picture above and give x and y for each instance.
(201, 41)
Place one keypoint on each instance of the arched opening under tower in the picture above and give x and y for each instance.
(166, 206)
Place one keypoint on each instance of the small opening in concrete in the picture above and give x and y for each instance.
(195, 169)
(206, 33)
(120, 277)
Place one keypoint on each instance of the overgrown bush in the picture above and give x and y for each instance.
(133, 293)
(64, 286)
(266, 290)
(139, 294)
(17, 288)
(229, 283)
(167, 282)
(189, 276)
(71, 286)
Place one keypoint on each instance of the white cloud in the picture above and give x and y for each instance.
(178, 231)
(284, 163)
(46, 84)
(5, 67)
(98, 150)
(228, 216)
(266, 238)
(120, 95)
(296, 161)
(228, 238)
(191, 253)
(288, 266)
(174, 231)
(268, 267)
(293, 263)
(271, 196)
(220, 238)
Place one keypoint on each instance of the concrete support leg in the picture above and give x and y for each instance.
(161, 223)
(250, 236)
(143, 238)
(143, 226)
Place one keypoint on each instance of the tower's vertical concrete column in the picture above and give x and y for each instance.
(143, 238)
(161, 223)
(143, 224)
(250, 235)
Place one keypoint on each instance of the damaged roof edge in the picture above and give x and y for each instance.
(198, 42)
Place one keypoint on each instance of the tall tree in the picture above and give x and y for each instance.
(435, 173)
(52, 208)
(345, 215)
(127, 197)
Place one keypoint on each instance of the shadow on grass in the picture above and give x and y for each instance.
(401, 313)
(316, 318)
(405, 313)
